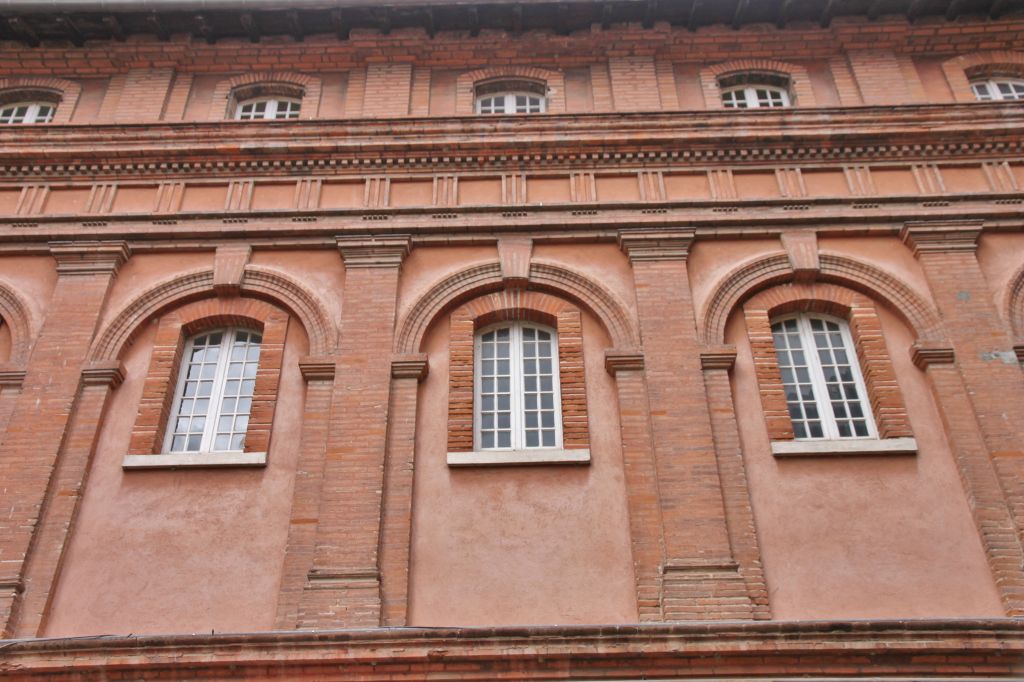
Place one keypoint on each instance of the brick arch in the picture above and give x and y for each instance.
(66, 91)
(258, 283)
(466, 82)
(766, 271)
(959, 70)
(884, 395)
(486, 277)
(509, 305)
(1013, 304)
(15, 314)
(799, 79)
(223, 94)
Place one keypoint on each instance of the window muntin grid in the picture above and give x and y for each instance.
(213, 396)
(518, 404)
(998, 89)
(754, 97)
(268, 108)
(824, 389)
(27, 112)
(511, 103)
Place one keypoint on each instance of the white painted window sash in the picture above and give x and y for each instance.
(270, 112)
(37, 112)
(749, 96)
(508, 102)
(990, 90)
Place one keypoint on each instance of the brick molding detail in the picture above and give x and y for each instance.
(802, 249)
(229, 263)
(960, 69)
(514, 256)
(224, 93)
(656, 244)
(373, 252)
(799, 81)
(67, 92)
(924, 355)
(410, 366)
(11, 377)
(465, 85)
(941, 236)
(89, 258)
(317, 369)
(616, 361)
(704, 589)
(723, 357)
(14, 313)
(109, 374)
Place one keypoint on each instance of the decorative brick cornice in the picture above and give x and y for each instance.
(924, 355)
(109, 374)
(89, 257)
(941, 236)
(722, 357)
(410, 366)
(373, 252)
(616, 361)
(317, 368)
(657, 244)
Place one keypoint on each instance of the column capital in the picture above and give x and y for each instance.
(410, 366)
(941, 236)
(361, 251)
(653, 244)
(12, 375)
(718, 357)
(89, 257)
(616, 361)
(317, 368)
(110, 373)
(926, 354)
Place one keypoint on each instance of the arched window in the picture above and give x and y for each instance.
(824, 388)
(27, 112)
(506, 96)
(518, 402)
(754, 91)
(268, 108)
(213, 397)
(987, 90)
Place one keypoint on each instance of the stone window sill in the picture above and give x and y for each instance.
(502, 458)
(199, 460)
(839, 448)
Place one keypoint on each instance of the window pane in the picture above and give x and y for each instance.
(838, 374)
(799, 391)
(233, 412)
(494, 400)
(190, 419)
(538, 385)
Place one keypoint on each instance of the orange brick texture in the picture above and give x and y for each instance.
(517, 305)
(884, 393)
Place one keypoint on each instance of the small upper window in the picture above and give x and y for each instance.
(213, 397)
(27, 112)
(268, 108)
(824, 388)
(998, 89)
(518, 405)
(754, 97)
(511, 97)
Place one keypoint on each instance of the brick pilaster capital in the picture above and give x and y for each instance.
(941, 236)
(317, 368)
(89, 257)
(360, 251)
(410, 366)
(11, 376)
(669, 243)
(616, 361)
(719, 357)
(927, 354)
(110, 374)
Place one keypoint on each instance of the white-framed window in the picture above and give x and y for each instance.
(213, 396)
(752, 96)
(27, 112)
(268, 108)
(998, 89)
(511, 103)
(517, 402)
(825, 390)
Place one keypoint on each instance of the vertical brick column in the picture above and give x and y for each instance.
(407, 372)
(982, 406)
(739, 513)
(701, 578)
(42, 411)
(42, 570)
(319, 374)
(343, 586)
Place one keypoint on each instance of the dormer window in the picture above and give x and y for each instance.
(27, 112)
(511, 97)
(268, 108)
(996, 89)
(755, 91)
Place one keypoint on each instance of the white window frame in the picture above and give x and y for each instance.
(270, 114)
(516, 388)
(993, 94)
(817, 376)
(749, 91)
(216, 394)
(510, 103)
(32, 115)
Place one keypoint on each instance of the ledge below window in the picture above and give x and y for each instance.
(851, 447)
(201, 460)
(503, 458)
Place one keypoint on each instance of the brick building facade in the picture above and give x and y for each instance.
(511, 340)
